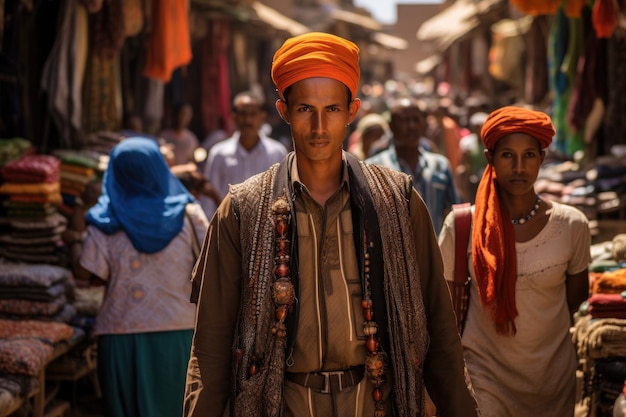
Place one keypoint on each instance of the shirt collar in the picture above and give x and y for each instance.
(295, 176)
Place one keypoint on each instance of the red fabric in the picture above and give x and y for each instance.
(316, 54)
(32, 168)
(604, 18)
(607, 306)
(493, 236)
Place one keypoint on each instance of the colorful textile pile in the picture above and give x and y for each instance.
(102, 141)
(30, 193)
(598, 191)
(599, 331)
(37, 325)
(15, 148)
(608, 294)
(78, 169)
(26, 347)
(36, 292)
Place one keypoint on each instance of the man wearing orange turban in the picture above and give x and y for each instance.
(529, 259)
(320, 280)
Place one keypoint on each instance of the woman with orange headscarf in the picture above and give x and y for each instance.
(528, 261)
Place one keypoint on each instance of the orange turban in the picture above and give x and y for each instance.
(316, 54)
(510, 119)
(493, 237)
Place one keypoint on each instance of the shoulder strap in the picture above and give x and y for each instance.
(195, 242)
(462, 222)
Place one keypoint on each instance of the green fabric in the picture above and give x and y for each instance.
(143, 375)
(11, 149)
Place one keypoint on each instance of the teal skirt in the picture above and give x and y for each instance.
(143, 374)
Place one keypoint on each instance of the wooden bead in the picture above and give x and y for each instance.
(281, 313)
(282, 271)
(281, 227)
(282, 256)
(367, 304)
(370, 328)
(377, 394)
(371, 344)
(368, 314)
(253, 370)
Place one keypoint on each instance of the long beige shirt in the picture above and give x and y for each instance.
(530, 374)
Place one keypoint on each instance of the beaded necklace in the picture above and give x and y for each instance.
(283, 294)
(375, 361)
(529, 215)
(283, 291)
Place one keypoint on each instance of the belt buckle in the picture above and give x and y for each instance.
(327, 376)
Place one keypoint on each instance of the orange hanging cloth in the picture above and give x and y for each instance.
(574, 8)
(169, 44)
(604, 18)
(537, 7)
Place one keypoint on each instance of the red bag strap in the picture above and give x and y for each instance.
(462, 222)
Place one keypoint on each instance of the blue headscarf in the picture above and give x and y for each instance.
(141, 196)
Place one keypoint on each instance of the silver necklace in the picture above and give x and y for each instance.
(529, 215)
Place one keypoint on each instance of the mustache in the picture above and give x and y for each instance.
(318, 137)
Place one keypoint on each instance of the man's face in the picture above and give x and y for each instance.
(407, 124)
(249, 117)
(318, 112)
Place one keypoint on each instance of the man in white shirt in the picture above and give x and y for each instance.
(247, 152)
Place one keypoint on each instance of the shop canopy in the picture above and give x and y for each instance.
(454, 22)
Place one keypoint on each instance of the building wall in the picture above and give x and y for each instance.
(410, 17)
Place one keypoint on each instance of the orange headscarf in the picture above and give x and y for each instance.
(316, 54)
(493, 236)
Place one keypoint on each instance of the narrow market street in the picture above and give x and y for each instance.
(85, 234)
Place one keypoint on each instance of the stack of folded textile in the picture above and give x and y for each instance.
(26, 347)
(608, 295)
(599, 332)
(78, 170)
(15, 148)
(597, 189)
(103, 141)
(31, 194)
(36, 292)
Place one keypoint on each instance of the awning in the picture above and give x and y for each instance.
(426, 65)
(454, 22)
(278, 20)
(513, 27)
(390, 41)
(356, 19)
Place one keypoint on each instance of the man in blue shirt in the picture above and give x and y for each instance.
(432, 175)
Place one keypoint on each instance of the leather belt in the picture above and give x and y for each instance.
(330, 382)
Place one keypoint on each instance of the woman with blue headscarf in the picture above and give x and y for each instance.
(140, 241)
